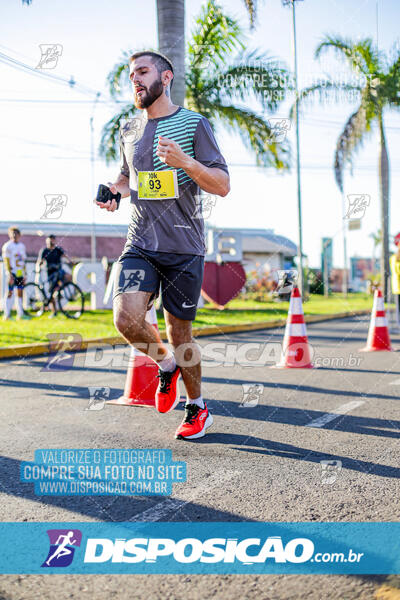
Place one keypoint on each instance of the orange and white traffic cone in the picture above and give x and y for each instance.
(141, 380)
(296, 352)
(378, 333)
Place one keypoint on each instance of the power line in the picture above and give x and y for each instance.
(312, 121)
(20, 66)
(37, 143)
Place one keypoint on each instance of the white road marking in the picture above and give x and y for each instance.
(163, 508)
(341, 410)
(395, 382)
(159, 510)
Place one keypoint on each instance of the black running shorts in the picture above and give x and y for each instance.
(179, 275)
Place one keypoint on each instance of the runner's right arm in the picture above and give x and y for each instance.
(121, 185)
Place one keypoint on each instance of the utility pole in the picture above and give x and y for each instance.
(325, 265)
(345, 282)
(299, 211)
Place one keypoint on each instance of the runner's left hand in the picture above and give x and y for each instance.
(170, 152)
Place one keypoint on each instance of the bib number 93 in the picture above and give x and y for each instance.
(157, 185)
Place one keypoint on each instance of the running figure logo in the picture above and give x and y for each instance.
(131, 130)
(132, 279)
(252, 393)
(330, 470)
(357, 205)
(204, 206)
(50, 53)
(62, 547)
(60, 345)
(55, 204)
(278, 129)
(202, 54)
(286, 281)
(98, 397)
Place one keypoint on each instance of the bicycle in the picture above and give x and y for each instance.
(69, 300)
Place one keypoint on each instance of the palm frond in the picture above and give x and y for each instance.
(118, 77)
(256, 134)
(321, 88)
(254, 74)
(365, 48)
(361, 56)
(109, 144)
(351, 140)
(391, 89)
(251, 7)
(214, 37)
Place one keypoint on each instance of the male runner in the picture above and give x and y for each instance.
(52, 256)
(14, 257)
(167, 156)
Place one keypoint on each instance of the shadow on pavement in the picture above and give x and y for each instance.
(65, 391)
(301, 417)
(301, 388)
(289, 451)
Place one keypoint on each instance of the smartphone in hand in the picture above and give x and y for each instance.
(104, 194)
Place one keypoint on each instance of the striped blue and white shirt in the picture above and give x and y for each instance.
(173, 225)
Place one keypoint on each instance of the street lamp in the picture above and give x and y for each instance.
(300, 246)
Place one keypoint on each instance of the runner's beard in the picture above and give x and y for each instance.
(151, 94)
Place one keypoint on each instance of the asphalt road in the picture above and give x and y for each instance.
(258, 462)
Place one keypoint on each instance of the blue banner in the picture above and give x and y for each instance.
(221, 547)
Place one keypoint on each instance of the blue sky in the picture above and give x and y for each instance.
(45, 130)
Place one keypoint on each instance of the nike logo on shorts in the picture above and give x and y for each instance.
(184, 305)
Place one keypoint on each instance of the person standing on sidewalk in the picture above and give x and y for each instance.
(14, 257)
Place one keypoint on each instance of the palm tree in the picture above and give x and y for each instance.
(171, 41)
(220, 91)
(378, 89)
(251, 6)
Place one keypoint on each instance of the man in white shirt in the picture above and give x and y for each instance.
(14, 257)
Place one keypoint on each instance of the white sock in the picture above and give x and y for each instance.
(168, 363)
(8, 304)
(20, 310)
(198, 401)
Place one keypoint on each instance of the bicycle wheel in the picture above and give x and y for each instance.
(70, 300)
(33, 300)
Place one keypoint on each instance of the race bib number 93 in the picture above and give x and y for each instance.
(157, 185)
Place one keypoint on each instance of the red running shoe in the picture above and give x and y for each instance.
(167, 394)
(195, 423)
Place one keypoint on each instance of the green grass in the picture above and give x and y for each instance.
(90, 325)
(240, 311)
(100, 323)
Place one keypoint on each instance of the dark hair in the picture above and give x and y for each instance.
(161, 62)
(52, 236)
(14, 229)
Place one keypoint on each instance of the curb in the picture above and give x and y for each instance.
(41, 348)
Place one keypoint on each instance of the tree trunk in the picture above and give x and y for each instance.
(384, 197)
(171, 42)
